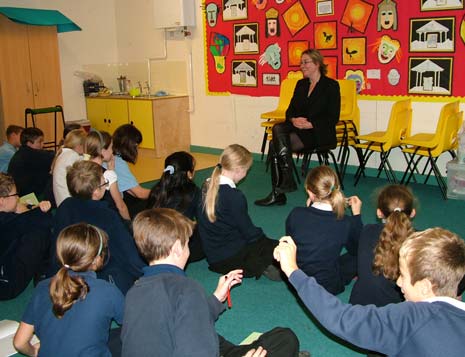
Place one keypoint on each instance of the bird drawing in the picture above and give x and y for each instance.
(327, 36)
(351, 53)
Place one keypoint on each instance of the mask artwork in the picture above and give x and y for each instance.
(272, 56)
(219, 48)
(212, 14)
(387, 48)
(387, 15)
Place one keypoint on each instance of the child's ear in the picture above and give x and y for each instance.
(425, 288)
(379, 214)
(176, 249)
(95, 195)
(413, 213)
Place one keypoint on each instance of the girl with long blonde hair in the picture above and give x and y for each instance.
(71, 313)
(72, 151)
(321, 230)
(230, 239)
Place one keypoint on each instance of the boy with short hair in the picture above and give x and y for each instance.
(9, 147)
(168, 314)
(24, 240)
(430, 323)
(87, 186)
(30, 165)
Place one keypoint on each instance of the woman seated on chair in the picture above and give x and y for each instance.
(310, 124)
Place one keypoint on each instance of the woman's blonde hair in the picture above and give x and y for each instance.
(77, 248)
(324, 184)
(95, 142)
(396, 202)
(234, 157)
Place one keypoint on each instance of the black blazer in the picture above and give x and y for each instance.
(321, 108)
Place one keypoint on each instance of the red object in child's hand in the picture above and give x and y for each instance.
(229, 299)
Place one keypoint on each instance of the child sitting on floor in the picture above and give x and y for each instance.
(72, 151)
(168, 314)
(230, 239)
(321, 230)
(24, 240)
(177, 190)
(378, 248)
(99, 148)
(72, 312)
(30, 166)
(87, 187)
(430, 323)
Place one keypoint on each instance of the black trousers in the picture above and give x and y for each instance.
(253, 259)
(24, 260)
(279, 342)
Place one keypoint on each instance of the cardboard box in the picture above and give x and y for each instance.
(455, 180)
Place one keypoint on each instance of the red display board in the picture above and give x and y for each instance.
(390, 48)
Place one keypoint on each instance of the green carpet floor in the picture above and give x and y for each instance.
(259, 305)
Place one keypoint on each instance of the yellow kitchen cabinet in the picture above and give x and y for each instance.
(107, 114)
(163, 121)
(29, 74)
(141, 116)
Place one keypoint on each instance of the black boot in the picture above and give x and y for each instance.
(273, 198)
(286, 181)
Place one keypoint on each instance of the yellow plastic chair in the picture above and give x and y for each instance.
(399, 128)
(431, 146)
(279, 114)
(349, 122)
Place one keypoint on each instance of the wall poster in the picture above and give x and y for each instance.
(389, 47)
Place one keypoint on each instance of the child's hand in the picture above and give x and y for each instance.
(259, 352)
(285, 254)
(36, 348)
(226, 282)
(45, 206)
(355, 203)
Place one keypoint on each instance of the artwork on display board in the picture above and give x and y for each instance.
(353, 50)
(272, 56)
(271, 79)
(244, 73)
(234, 10)
(432, 34)
(325, 35)
(324, 7)
(295, 49)
(296, 18)
(435, 5)
(387, 15)
(356, 15)
(251, 45)
(246, 38)
(430, 75)
(331, 63)
(212, 14)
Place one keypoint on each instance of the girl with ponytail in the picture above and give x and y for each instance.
(230, 240)
(378, 252)
(71, 313)
(321, 230)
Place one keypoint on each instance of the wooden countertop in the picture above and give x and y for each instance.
(143, 97)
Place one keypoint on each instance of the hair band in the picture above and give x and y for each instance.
(100, 137)
(218, 165)
(170, 169)
(101, 241)
(397, 209)
(66, 266)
